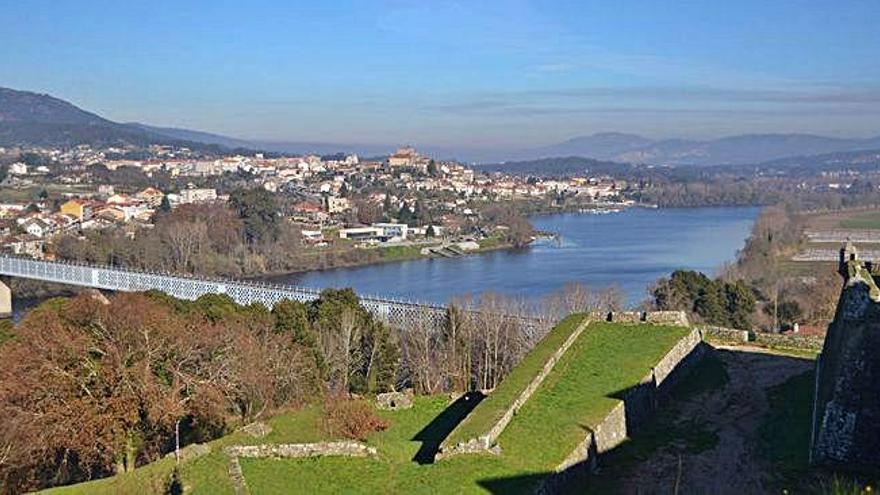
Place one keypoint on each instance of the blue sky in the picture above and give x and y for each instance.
(469, 74)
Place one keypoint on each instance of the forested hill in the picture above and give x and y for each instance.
(33, 119)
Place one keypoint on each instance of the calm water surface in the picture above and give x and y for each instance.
(630, 249)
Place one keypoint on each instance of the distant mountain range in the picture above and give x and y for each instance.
(564, 166)
(806, 165)
(733, 150)
(34, 119)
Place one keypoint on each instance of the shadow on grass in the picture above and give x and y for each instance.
(433, 434)
(526, 483)
(653, 423)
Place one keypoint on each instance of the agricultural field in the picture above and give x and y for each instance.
(825, 233)
(866, 221)
(860, 219)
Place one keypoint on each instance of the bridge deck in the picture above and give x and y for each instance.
(191, 288)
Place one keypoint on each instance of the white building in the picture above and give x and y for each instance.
(18, 169)
(392, 232)
(337, 205)
(198, 195)
(361, 233)
(37, 227)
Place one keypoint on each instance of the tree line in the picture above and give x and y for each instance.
(716, 302)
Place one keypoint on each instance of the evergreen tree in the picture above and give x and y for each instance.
(165, 205)
(740, 305)
(383, 372)
(258, 211)
(710, 304)
(293, 317)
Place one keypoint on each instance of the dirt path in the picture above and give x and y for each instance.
(735, 412)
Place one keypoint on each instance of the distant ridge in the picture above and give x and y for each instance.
(297, 147)
(34, 119)
(566, 166)
(731, 150)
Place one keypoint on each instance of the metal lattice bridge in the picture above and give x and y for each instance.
(394, 312)
(401, 314)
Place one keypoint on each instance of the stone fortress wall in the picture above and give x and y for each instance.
(298, 450)
(674, 318)
(846, 409)
(487, 441)
(637, 407)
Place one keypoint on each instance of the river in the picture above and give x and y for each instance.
(630, 249)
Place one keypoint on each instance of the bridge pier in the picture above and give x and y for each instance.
(5, 301)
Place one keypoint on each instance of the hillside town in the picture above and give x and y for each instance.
(404, 199)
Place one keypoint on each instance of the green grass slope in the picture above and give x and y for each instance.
(606, 359)
(490, 410)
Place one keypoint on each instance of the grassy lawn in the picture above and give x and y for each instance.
(493, 242)
(526, 456)
(790, 268)
(29, 193)
(493, 407)
(607, 359)
(393, 471)
(400, 253)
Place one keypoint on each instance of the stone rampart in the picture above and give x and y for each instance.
(679, 352)
(627, 316)
(295, 450)
(485, 442)
(790, 341)
(725, 335)
(672, 318)
(637, 406)
(846, 414)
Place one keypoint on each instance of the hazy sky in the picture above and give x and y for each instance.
(470, 73)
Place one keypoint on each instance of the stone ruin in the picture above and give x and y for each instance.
(672, 318)
(394, 401)
(846, 409)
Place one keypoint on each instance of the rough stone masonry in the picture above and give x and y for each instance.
(846, 410)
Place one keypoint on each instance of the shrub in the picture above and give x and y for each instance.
(351, 418)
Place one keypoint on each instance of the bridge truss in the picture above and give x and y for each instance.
(394, 312)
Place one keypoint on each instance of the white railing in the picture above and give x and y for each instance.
(192, 287)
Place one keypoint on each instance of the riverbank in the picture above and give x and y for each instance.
(535, 208)
(630, 250)
(390, 254)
